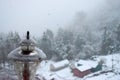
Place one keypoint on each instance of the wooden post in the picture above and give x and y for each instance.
(26, 74)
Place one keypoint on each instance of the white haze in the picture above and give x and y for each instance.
(38, 15)
(104, 14)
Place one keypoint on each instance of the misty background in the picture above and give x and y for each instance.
(62, 29)
(37, 15)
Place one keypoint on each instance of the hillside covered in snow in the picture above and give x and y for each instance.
(110, 69)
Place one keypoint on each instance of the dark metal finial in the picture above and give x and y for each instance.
(28, 35)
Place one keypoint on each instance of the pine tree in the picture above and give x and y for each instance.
(107, 42)
(118, 38)
(45, 45)
(79, 44)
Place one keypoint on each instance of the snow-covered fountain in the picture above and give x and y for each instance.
(26, 58)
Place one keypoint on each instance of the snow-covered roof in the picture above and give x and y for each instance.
(61, 63)
(85, 64)
(35, 55)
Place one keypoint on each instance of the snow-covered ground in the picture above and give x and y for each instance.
(44, 72)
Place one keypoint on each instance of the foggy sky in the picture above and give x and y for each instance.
(38, 15)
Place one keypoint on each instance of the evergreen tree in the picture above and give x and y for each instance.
(118, 38)
(8, 42)
(50, 34)
(45, 45)
(107, 42)
(79, 44)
